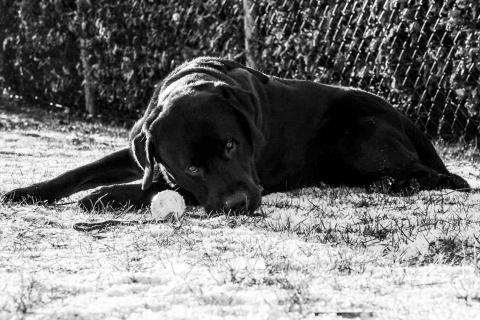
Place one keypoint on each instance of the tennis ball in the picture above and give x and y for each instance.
(167, 204)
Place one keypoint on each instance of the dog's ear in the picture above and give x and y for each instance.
(142, 150)
(148, 170)
(141, 143)
(247, 106)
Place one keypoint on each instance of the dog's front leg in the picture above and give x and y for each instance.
(118, 167)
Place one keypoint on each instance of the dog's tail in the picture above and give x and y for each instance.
(429, 157)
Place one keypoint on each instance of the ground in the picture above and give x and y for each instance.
(320, 253)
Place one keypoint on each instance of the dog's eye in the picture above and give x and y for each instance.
(230, 144)
(193, 170)
(230, 147)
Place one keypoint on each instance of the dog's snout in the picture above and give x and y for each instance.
(238, 200)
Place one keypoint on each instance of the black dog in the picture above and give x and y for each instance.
(221, 133)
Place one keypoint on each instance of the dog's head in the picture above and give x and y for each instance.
(205, 141)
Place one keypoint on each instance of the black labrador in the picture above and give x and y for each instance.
(222, 134)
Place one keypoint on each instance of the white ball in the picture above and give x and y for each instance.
(166, 204)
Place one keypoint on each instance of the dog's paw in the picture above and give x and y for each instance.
(381, 185)
(405, 188)
(29, 195)
(455, 182)
(103, 200)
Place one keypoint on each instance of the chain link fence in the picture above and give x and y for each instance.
(423, 56)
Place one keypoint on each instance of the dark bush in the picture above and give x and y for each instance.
(131, 46)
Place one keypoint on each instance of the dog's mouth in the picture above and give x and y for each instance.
(242, 201)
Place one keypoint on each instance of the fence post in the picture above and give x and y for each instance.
(4, 30)
(2, 64)
(251, 42)
(88, 85)
(87, 80)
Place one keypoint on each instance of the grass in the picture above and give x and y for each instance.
(322, 253)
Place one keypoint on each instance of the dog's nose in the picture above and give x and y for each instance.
(238, 200)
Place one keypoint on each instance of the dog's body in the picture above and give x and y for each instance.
(220, 133)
